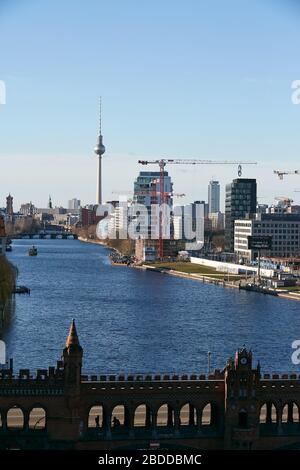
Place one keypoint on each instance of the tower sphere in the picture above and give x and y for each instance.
(99, 148)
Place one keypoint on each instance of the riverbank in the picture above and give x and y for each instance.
(98, 242)
(8, 276)
(91, 240)
(124, 247)
(196, 277)
(205, 275)
(212, 280)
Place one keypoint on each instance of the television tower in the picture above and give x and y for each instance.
(99, 150)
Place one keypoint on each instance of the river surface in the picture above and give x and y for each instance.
(134, 321)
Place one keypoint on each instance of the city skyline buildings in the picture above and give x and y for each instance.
(245, 119)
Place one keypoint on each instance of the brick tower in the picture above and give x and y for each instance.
(72, 358)
(72, 363)
(241, 401)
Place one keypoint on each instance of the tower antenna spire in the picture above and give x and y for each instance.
(100, 115)
(99, 150)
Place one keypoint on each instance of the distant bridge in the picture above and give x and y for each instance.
(47, 235)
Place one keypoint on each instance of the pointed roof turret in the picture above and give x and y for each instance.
(72, 339)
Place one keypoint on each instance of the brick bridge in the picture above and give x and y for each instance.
(235, 408)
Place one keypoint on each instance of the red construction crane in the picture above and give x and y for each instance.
(180, 161)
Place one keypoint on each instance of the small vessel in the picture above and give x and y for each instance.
(259, 288)
(21, 290)
(117, 259)
(8, 248)
(33, 251)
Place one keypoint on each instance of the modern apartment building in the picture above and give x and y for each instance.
(283, 228)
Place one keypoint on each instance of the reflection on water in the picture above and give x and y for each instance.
(135, 321)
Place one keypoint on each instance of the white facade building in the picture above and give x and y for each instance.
(283, 228)
(118, 221)
(74, 204)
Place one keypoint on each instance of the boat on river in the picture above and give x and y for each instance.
(21, 290)
(117, 259)
(33, 251)
(259, 288)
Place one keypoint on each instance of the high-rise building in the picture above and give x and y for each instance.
(147, 193)
(74, 204)
(213, 196)
(240, 200)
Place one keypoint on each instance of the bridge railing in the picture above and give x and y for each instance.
(280, 376)
(151, 377)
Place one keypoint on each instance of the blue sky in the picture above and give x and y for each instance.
(193, 78)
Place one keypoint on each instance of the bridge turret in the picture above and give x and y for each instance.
(241, 401)
(72, 359)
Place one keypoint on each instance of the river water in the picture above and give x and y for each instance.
(134, 321)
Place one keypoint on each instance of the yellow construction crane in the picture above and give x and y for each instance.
(282, 173)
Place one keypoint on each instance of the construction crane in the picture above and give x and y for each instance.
(287, 201)
(282, 173)
(147, 193)
(180, 161)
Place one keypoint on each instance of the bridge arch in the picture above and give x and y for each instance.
(165, 415)
(37, 418)
(188, 415)
(143, 416)
(120, 416)
(269, 413)
(95, 416)
(290, 412)
(15, 418)
(210, 414)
